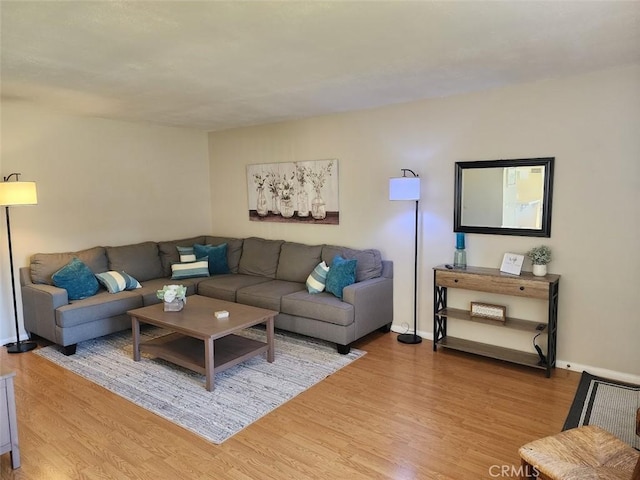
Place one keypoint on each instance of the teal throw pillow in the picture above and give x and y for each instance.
(199, 268)
(77, 279)
(116, 282)
(217, 257)
(317, 279)
(342, 273)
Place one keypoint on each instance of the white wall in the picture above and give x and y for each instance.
(589, 123)
(100, 182)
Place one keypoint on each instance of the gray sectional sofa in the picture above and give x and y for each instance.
(263, 273)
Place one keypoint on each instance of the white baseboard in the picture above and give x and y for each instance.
(599, 372)
(5, 341)
(403, 329)
(567, 365)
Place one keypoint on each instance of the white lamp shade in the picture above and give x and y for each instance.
(404, 188)
(18, 193)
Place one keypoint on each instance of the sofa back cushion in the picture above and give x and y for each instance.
(369, 262)
(43, 265)
(169, 252)
(260, 257)
(141, 260)
(234, 249)
(297, 261)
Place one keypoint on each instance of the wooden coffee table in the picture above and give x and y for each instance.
(199, 341)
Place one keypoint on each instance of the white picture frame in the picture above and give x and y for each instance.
(512, 263)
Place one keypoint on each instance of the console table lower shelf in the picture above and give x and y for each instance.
(492, 351)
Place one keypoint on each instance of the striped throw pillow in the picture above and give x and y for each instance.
(316, 280)
(199, 268)
(186, 254)
(116, 282)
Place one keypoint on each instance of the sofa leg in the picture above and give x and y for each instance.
(69, 349)
(386, 328)
(343, 349)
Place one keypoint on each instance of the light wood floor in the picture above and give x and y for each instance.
(400, 412)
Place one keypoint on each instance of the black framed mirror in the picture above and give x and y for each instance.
(504, 197)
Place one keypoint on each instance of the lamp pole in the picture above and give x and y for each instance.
(408, 188)
(18, 346)
(413, 338)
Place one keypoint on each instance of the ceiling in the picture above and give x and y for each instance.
(215, 65)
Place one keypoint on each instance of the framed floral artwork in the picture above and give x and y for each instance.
(301, 192)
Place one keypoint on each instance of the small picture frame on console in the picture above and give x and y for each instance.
(488, 310)
(512, 263)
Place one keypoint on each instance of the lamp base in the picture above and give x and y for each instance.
(21, 347)
(409, 338)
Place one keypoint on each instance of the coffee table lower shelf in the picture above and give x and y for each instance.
(188, 352)
(493, 351)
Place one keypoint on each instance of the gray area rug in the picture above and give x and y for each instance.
(242, 394)
(609, 404)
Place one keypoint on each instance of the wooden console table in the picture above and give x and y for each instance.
(8, 420)
(491, 280)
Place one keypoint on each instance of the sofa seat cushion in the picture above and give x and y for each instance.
(267, 294)
(224, 287)
(318, 306)
(141, 260)
(101, 305)
(150, 287)
(43, 265)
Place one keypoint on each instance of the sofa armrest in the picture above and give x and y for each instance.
(39, 304)
(373, 304)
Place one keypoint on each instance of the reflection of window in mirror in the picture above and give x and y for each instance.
(522, 197)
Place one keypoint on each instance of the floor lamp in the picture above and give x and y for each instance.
(13, 194)
(408, 188)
